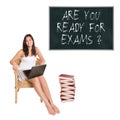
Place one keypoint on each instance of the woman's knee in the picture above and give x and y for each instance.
(40, 77)
(34, 80)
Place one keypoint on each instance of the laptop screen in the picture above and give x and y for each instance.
(35, 71)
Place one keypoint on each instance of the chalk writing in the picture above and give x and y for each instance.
(82, 27)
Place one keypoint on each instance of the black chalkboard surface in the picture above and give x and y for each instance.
(81, 28)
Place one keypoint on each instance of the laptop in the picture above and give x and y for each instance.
(35, 71)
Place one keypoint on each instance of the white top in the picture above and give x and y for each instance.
(27, 62)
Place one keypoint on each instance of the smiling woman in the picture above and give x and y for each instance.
(28, 56)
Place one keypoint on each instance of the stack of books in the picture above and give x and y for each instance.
(67, 84)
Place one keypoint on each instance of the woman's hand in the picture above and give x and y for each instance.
(15, 67)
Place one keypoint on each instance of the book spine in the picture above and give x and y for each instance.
(67, 85)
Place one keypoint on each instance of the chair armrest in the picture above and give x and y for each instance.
(38, 62)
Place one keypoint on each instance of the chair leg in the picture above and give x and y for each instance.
(41, 100)
(16, 91)
(15, 95)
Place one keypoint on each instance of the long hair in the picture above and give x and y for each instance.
(25, 47)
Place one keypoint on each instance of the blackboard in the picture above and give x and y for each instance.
(81, 28)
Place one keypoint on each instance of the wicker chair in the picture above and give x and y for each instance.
(19, 84)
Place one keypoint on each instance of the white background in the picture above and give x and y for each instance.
(97, 72)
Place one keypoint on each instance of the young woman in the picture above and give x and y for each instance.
(28, 56)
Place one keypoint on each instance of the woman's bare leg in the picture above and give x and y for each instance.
(37, 86)
(46, 90)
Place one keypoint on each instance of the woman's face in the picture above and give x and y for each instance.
(29, 41)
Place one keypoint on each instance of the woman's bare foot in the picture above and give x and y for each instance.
(50, 110)
(55, 108)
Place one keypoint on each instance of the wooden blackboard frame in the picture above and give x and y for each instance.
(104, 19)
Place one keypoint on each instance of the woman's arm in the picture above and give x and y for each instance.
(39, 54)
(16, 57)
